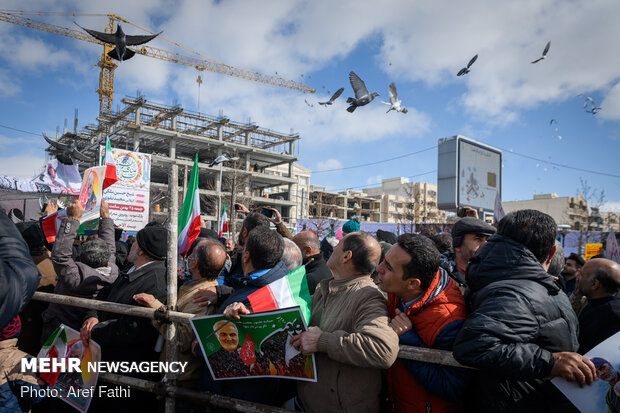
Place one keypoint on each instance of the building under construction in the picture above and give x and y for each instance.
(173, 136)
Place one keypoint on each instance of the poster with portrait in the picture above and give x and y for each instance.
(91, 191)
(604, 394)
(257, 345)
(129, 197)
(74, 388)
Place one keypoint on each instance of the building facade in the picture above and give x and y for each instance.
(566, 210)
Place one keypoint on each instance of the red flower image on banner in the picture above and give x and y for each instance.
(247, 353)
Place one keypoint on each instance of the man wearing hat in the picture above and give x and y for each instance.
(123, 337)
(350, 226)
(468, 234)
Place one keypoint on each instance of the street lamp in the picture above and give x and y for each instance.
(224, 157)
(563, 229)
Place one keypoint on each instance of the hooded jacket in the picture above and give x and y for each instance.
(437, 317)
(518, 318)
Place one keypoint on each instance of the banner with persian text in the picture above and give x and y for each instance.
(129, 197)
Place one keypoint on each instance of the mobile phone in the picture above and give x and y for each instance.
(462, 212)
(267, 212)
(237, 207)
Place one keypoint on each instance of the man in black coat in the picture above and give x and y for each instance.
(599, 282)
(521, 330)
(316, 268)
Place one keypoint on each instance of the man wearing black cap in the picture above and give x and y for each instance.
(468, 234)
(122, 337)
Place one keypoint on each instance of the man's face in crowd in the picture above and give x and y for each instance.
(570, 269)
(583, 280)
(133, 252)
(470, 245)
(391, 271)
(229, 245)
(228, 337)
(605, 372)
(334, 259)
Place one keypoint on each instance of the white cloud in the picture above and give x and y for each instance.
(22, 166)
(611, 207)
(327, 164)
(374, 180)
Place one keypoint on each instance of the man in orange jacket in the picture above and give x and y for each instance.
(426, 309)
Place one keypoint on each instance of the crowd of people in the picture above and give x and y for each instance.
(504, 300)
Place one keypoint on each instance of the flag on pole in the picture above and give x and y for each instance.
(289, 291)
(51, 223)
(110, 166)
(612, 251)
(223, 221)
(189, 218)
(498, 212)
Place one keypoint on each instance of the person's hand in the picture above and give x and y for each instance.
(50, 208)
(277, 218)
(203, 224)
(205, 296)
(233, 310)
(308, 341)
(400, 323)
(573, 367)
(75, 209)
(471, 212)
(193, 347)
(87, 327)
(144, 299)
(104, 211)
(242, 209)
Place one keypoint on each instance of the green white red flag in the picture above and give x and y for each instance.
(110, 166)
(289, 291)
(189, 218)
(223, 221)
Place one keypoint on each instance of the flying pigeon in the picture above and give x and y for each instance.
(594, 110)
(465, 70)
(553, 120)
(66, 152)
(362, 96)
(590, 101)
(334, 97)
(309, 104)
(394, 101)
(224, 157)
(544, 54)
(121, 41)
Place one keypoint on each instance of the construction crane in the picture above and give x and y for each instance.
(107, 64)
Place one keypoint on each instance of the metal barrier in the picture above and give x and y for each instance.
(170, 391)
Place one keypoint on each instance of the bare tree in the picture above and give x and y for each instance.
(595, 199)
(411, 213)
(321, 213)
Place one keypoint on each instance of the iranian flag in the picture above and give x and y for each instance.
(289, 291)
(51, 223)
(224, 221)
(55, 347)
(189, 218)
(110, 166)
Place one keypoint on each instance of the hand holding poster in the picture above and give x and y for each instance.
(257, 345)
(604, 394)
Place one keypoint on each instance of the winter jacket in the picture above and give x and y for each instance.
(77, 279)
(267, 391)
(12, 380)
(19, 276)
(437, 317)
(518, 318)
(124, 337)
(316, 270)
(356, 343)
(185, 333)
(448, 263)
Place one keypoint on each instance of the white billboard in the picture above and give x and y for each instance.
(469, 173)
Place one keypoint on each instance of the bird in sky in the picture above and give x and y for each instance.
(466, 69)
(362, 96)
(120, 40)
(67, 152)
(553, 120)
(594, 109)
(333, 98)
(544, 53)
(394, 101)
(309, 104)
(224, 157)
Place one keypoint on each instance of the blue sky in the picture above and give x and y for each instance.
(505, 101)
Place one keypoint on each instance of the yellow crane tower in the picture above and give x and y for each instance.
(107, 64)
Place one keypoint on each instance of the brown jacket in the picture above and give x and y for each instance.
(185, 333)
(356, 343)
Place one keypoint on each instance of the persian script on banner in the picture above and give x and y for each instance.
(128, 198)
(257, 345)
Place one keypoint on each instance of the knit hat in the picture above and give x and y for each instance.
(386, 236)
(470, 225)
(12, 329)
(351, 226)
(153, 240)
